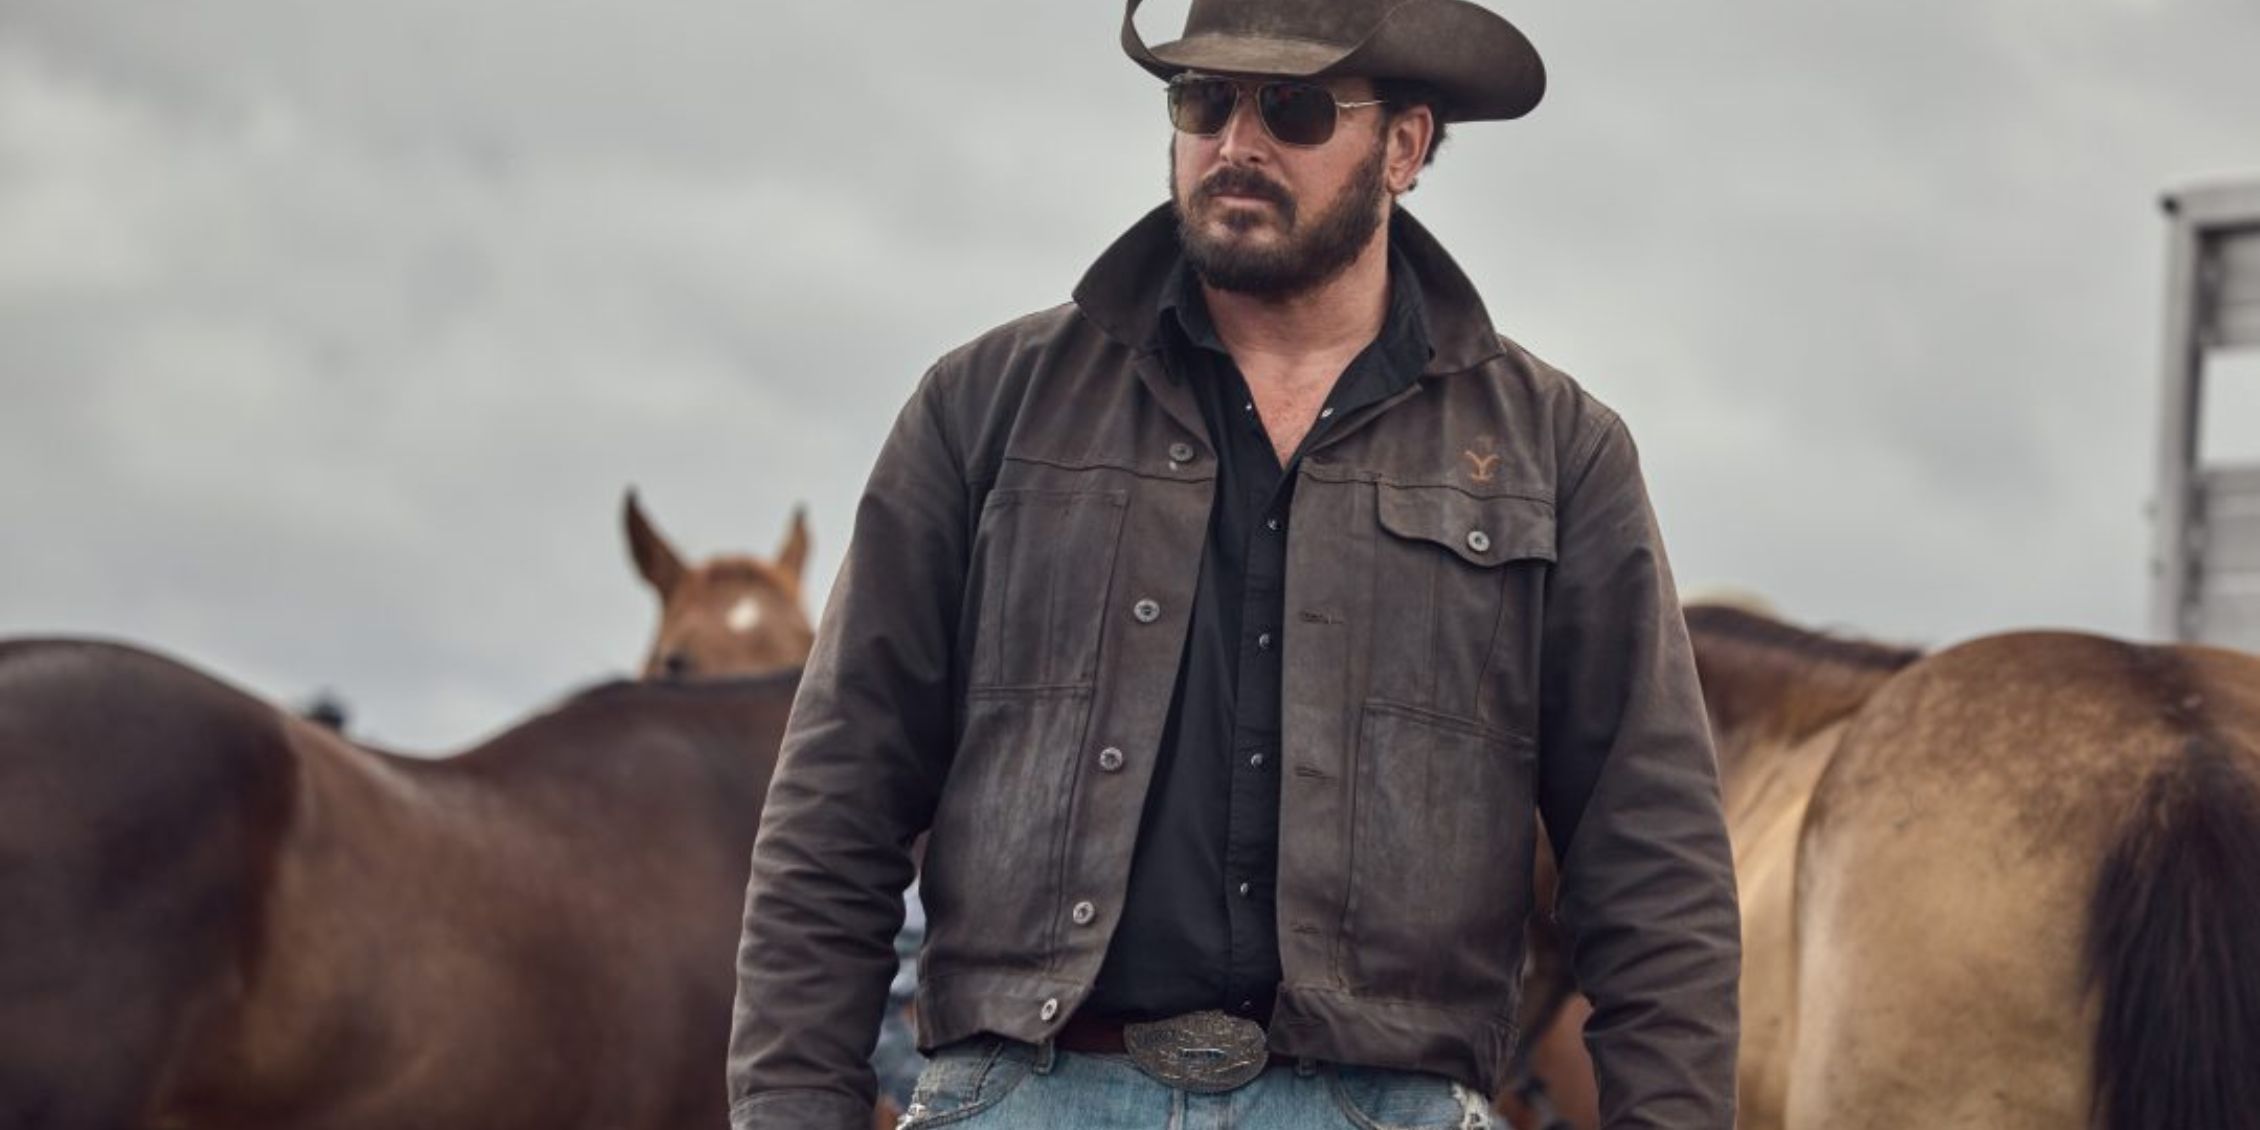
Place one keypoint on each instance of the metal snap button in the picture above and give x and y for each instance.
(1050, 1009)
(1263, 642)
(1181, 452)
(1083, 913)
(1479, 541)
(1110, 759)
(1147, 611)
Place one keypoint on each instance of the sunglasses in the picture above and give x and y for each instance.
(1294, 113)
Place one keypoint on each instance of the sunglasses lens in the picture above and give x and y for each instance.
(1201, 106)
(1298, 113)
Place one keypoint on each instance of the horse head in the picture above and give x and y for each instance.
(732, 615)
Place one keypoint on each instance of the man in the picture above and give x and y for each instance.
(1227, 628)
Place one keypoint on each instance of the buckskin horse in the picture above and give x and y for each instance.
(217, 914)
(2014, 884)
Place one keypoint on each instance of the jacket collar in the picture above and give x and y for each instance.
(1125, 287)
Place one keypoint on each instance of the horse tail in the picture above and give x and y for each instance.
(2173, 950)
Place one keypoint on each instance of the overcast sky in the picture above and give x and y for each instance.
(330, 334)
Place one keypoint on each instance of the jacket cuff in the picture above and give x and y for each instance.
(802, 1109)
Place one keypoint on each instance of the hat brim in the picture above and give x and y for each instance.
(1483, 66)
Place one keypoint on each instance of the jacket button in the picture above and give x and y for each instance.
(1181, 452)
(1147, 611)
(1479, 541)
(1050, 1009)
(1083, 913)
(1110, 759)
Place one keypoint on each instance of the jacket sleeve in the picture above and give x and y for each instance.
(857, 779)
(1629, 790)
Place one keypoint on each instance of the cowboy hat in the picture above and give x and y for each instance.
(1482, 66)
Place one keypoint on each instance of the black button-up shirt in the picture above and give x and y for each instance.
(1198, 929)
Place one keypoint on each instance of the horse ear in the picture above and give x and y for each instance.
(655, 559)
(793, 557)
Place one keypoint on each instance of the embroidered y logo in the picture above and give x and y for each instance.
(1481, 467)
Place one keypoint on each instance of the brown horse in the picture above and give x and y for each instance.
(732, 615)
(221, 915)
(2014, 884)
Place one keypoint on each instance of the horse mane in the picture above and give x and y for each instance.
(1775, 680)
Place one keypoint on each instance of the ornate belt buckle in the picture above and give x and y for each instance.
(1202, 1052)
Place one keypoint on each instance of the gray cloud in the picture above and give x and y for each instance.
(329, 334)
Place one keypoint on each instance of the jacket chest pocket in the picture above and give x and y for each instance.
(1043, 561)
(1458, 584)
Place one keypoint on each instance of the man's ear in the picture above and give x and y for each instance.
(1410, 134)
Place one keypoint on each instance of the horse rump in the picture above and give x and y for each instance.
(136, 799)
(2173, 950)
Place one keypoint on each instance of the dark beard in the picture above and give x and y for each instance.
(1307, 259)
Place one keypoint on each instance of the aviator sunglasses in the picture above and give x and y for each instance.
(1294, 113)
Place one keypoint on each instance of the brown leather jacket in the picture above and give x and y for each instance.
(1481, 625)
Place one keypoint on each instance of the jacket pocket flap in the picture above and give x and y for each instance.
(1481, 531)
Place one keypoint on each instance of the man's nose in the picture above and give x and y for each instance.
(1243, 137)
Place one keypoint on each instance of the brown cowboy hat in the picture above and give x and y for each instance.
(1484, 68)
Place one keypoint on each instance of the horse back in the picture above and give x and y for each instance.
(538, 932)
(219, 915)
(1950, 863)
(140, 804)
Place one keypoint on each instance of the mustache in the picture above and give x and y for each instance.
(1234, 180)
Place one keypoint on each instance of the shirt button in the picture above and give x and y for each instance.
(1272, 523)
(1244, 890)
(1263, 642)
(1083, 913)
(1050, 1009)
(1479, 541)
(1147, 611)
(1256, 760)
(1326, 413)
(1181, 452)
(1110, 759)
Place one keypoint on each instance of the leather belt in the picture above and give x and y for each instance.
(1203, 1052)
(1091, 1035)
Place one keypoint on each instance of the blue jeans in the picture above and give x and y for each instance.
(994, 1084)
(896, 1059)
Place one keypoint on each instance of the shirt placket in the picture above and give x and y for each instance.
(1252, 831)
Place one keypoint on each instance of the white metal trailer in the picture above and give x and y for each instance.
(2206, 558)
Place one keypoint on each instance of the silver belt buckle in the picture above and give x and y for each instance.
(1203, 1052)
